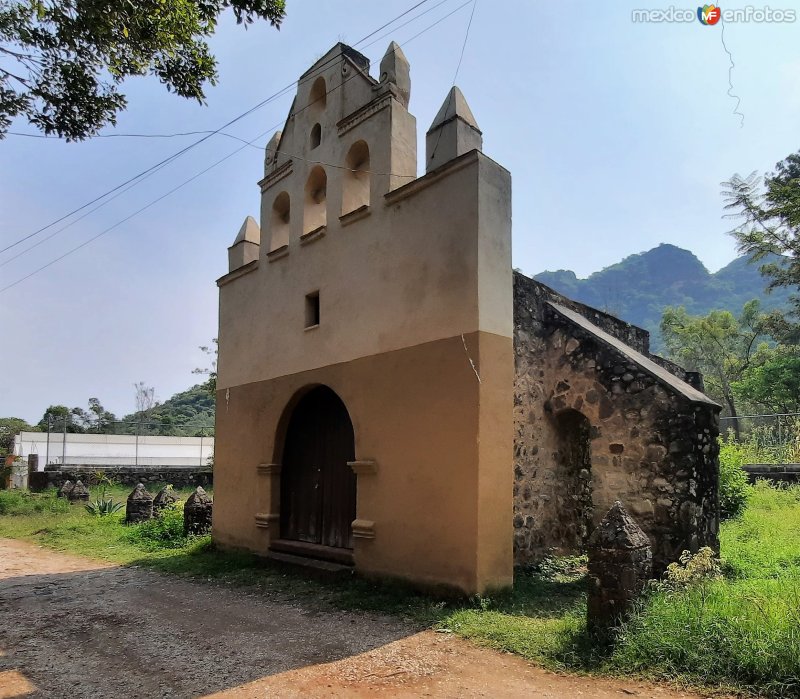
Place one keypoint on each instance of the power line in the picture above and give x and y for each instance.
(208, 135)
(455, 76)
(202, 172)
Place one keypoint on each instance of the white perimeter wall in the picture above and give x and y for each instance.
(115, 449)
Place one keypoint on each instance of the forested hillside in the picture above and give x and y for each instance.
(638, 288)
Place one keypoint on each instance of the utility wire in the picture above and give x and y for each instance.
(455, 76)
(208, 135)
(202, 172)
(163, 164)
(129, 216)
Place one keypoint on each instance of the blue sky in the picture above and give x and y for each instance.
(617, 135)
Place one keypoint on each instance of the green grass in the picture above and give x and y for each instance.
(739, 633)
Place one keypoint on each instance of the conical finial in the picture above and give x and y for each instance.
(249, 232)
(396, 70)
(455, 105)
(453, 132)
(618, 530)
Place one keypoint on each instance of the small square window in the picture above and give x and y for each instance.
(312, 309)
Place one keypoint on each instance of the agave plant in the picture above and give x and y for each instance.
(103, 507)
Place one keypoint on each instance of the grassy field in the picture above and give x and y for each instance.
(741, 632)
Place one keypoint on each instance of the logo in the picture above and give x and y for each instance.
(709, 14)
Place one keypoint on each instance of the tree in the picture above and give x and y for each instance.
(145, 399)
(60, 417)
(65, 60)
(771, 381)
(9, 427)
(718, 344)
(770, 221)
(211, 370)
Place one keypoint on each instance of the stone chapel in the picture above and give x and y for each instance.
(392, 397)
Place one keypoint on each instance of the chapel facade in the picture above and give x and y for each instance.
(392, 396)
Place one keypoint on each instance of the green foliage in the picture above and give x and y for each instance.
(740, 630)
(103, 507)
(770, 221)
(733, 486)
(719, 344)
(95, 420)
(162, 532)
(9, 427)
(691, 570)
(771, 382)
(20, 503)
(182, 415)
(64, 61)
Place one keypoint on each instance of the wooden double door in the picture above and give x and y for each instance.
(318, 488)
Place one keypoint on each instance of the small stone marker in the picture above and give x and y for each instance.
(197, 512)
(64, 490)
(620, 564)
(79, 492)
(163, 499)
(139, 507)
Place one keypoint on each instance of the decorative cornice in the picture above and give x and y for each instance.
(354, 215)
(363, 113)
(363, 529)
(282, 171)
(311, 236)
(363, 468)
(235, 274)
(278, 253)
(268, 469)
(263, 521)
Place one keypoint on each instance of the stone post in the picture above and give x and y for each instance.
(66, 487)
(139, 507)
(79, 492)
(197, 512)
(163, 499)
(33, 463)
(620, 564)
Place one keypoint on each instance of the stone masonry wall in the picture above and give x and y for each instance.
(646, 444)
(178, 477)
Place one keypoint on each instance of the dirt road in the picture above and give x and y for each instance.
(73, 627)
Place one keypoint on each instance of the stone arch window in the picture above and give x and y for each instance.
(356, 179)
(315, 212)
(316, 136)
(279, 221)
(318, 95)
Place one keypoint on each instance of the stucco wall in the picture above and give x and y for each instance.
(414, 335)
(650, 446)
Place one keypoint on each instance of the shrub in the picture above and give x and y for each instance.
(21, 502)
(162, 532)
(734, 489)
(103, 507)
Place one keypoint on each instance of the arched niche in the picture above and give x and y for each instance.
(315, 209)
(280, 218)
(318, 96)
(356, 179)
(316, 136)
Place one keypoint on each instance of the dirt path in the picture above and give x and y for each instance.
(73, 627)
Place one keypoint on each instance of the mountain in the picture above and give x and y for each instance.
(638, 288)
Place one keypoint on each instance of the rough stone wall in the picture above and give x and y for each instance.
(55, 476)
(648, 445)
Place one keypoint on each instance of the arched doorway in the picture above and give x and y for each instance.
(318, 488)
(574, 469)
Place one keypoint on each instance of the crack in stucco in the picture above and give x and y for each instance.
(471, 363)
